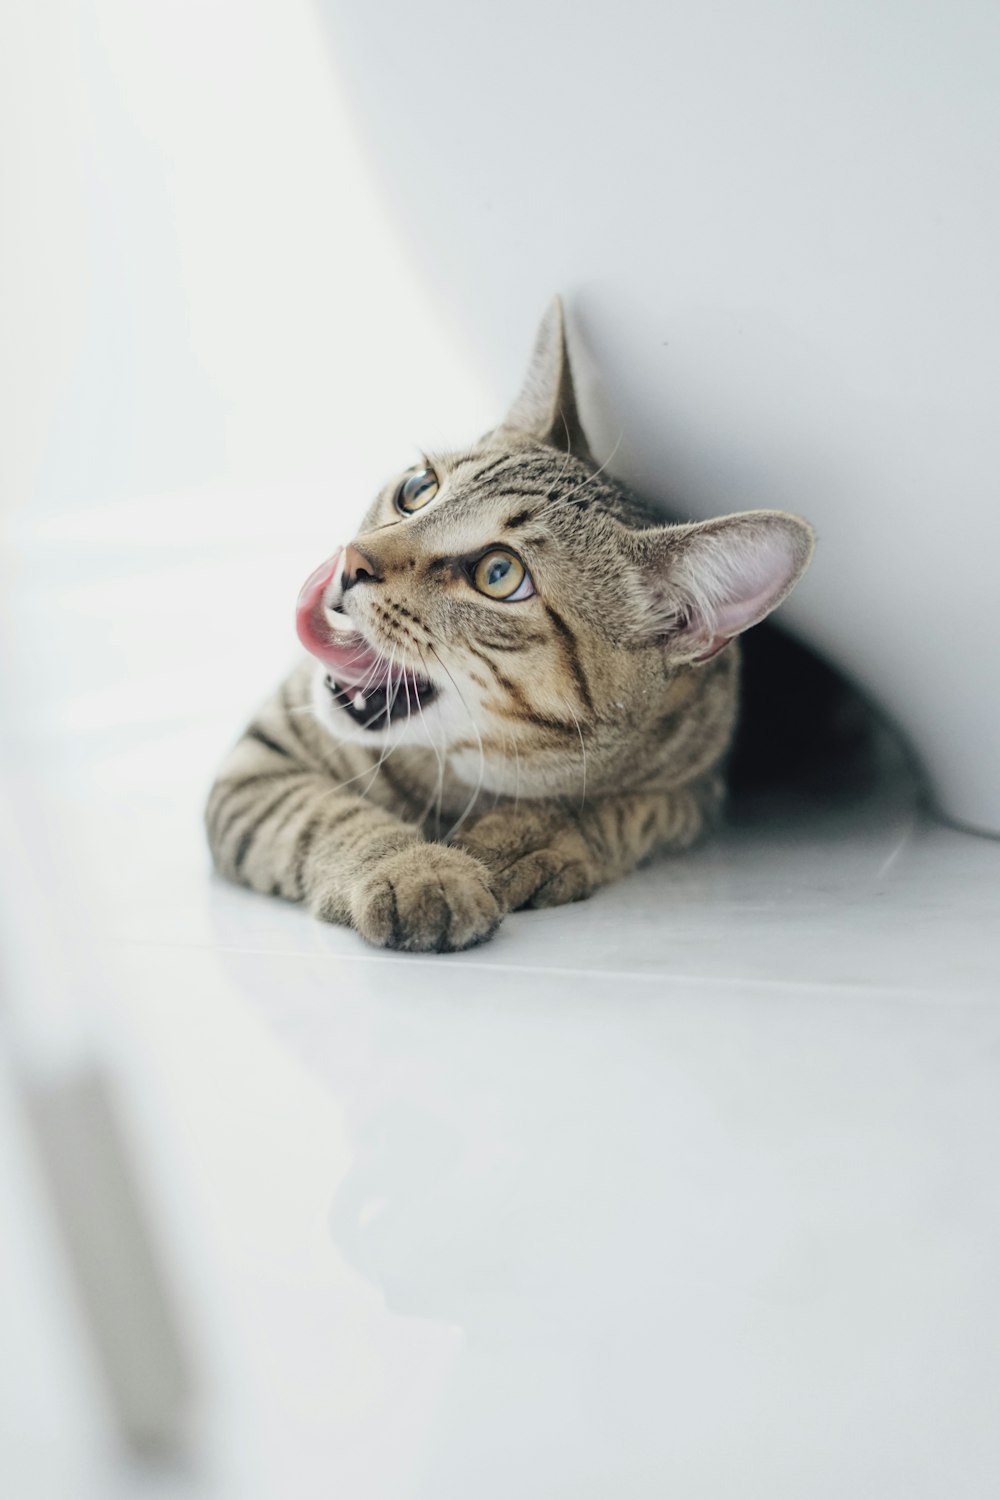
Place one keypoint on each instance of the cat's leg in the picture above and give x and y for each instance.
(545, 853)
(287, 829)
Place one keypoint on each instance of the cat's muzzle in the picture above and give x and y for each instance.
(395, 701)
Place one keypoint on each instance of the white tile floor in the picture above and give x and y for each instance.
(690, 1190)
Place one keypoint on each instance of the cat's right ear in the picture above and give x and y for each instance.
(546, 407)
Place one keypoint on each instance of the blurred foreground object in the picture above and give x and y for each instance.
(85, 1160)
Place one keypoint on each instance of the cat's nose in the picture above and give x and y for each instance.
(358, 568)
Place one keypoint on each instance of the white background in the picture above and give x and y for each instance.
(199, 287)
(690, 1189)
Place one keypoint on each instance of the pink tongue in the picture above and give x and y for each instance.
(352, 660)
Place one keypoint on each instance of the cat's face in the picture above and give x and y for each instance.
(513, 608)
(484, 599)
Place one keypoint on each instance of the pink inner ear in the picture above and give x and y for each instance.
(736, 575)
(713, 648)
(740, 614)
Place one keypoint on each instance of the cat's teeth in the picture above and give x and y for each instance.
(359, 701)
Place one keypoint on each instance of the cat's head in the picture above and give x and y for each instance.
(511, 602)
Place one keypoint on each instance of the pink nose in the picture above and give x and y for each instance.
(358, 568)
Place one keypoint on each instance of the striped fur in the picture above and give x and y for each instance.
(570, 737)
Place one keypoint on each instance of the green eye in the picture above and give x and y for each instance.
(415, 491)
(502, 575)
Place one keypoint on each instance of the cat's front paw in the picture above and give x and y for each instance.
(531, 862)
(551, 876)
(426, 899)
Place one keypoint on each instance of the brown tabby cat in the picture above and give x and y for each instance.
(528, 686)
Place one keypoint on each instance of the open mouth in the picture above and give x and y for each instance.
(375, 707)
(368, 686)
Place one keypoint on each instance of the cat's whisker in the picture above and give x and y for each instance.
(569, 451)
(553, 499)
(362, 650)
(482, 753)
(369, 681)
(437, 792)
(583, 751)
(610, 458)
(409, 706)
(349, 781)
(517, 772)
(388, 749)
(441, 753)
(511, 740)
(557, 501)
(370, 771)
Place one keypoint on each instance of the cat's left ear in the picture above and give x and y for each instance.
(546, 408)
(703, 584)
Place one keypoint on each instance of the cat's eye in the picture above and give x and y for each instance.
(415, 491)
(502, 575)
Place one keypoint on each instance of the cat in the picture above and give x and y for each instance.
(522, 684)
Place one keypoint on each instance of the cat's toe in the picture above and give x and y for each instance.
(545, 877)
(328, 905)
(426, 899)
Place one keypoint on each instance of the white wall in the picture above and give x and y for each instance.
(779, 226)
(776, 225)
(199, 288)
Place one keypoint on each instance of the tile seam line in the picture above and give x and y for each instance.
(906, 992)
